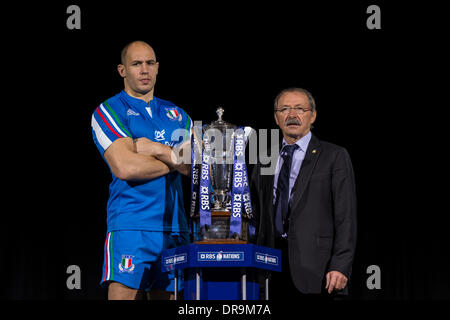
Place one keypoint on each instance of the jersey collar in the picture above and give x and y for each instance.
(135, 101)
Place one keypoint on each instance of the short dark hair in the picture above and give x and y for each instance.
(312, 102)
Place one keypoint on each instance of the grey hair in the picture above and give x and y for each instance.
(311, 101)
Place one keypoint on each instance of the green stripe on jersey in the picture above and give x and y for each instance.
(186, 133)
(117, 119)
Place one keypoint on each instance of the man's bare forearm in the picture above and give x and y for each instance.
(177, 158)
(143, 167)
(127, 164)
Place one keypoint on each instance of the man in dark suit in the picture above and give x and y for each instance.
(307, 206)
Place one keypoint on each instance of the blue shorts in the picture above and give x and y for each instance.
(133, 258)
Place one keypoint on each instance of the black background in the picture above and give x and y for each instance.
(374, 90)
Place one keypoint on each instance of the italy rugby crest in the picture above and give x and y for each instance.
(126, 264)
(173, 114)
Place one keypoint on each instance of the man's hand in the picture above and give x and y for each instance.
(335, 281)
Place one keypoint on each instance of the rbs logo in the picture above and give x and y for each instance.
(220, 256)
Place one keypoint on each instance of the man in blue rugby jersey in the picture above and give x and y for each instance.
(140, 137)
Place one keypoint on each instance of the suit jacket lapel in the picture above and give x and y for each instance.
(308, 164)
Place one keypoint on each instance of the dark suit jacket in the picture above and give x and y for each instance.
(322, 227)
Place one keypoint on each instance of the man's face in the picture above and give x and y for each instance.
(140, 69)
(294, 124)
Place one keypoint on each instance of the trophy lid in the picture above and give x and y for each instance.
(219, 123)
(220, 112)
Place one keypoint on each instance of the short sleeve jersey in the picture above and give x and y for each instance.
(153, 205)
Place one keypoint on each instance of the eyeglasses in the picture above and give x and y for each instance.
(297, 110)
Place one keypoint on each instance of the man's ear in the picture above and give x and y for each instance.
(275, 117)
(313, 118)
(121, 70)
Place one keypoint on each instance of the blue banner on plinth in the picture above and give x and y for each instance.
(221, 255)
(215, 271)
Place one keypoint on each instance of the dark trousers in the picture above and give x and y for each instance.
(281, 286)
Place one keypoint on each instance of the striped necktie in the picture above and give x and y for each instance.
(282, 194)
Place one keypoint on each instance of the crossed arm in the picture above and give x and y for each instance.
(143, 159)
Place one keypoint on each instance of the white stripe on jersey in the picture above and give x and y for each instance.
(112, 121)
(149, 111)
(108, 255)
(104, 141)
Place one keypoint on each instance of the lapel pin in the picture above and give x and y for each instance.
(314, 151)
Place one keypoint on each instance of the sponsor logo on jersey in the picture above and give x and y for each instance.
(131, 112)
(159, 135)
(173, 114)
(126, 264)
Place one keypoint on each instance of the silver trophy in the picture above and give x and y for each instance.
(218, 143)
(219, 135)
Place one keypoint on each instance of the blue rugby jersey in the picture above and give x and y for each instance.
(157, 204)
